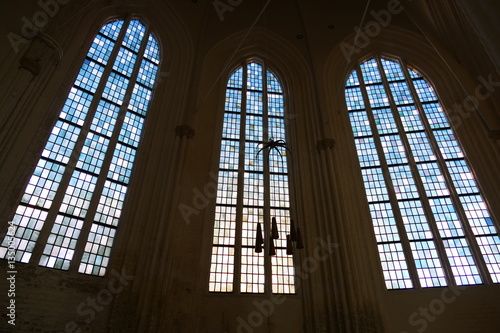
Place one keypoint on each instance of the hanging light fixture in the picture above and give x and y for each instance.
(274, 229)
(293, 240)
(259, 240)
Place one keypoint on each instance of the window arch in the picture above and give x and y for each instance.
(431, 222)
(251, 187)
(71, 207)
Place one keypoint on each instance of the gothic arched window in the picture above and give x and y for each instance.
(431, 222)
(72, 204)
(252, 187)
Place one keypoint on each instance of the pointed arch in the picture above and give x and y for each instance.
(432, 225)
(70, 210)
(252, 188)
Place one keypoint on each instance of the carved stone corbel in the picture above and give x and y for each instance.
(184, 131)
(494, 135)
(41, 49)
(324, 144)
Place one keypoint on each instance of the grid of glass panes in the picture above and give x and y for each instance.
(407, 142)
(72, 211)
(247, 136)
(101, 236)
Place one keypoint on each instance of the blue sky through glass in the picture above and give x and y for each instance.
(254, 112)
(85, 103)
(416, 145)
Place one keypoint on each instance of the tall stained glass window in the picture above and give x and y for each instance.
(431, 222)
(70, 209)
(252, 187)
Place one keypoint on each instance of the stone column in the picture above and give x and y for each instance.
(155, 288)
(23, 84)
(338, 297)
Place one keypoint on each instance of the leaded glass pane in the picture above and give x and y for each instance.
(415, 153)
(254, 115)
(76, 157)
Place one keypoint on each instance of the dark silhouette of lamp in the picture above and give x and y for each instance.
(293, 240)
(259, 240)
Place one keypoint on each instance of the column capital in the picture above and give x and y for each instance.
(494, 135)
(326, 143)
(184, 130)
(41, 49)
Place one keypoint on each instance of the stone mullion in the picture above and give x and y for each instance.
(113, 141)
(241, 183)
(453, 195)
(69, 168)
(384, 166)
(266, 154)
